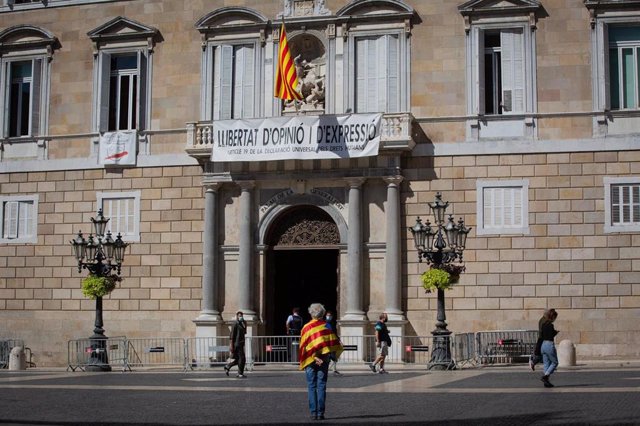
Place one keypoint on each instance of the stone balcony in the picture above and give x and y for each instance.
(397, 134)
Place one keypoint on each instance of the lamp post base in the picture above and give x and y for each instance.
(99, 359)
(441, 352)
(97, 367)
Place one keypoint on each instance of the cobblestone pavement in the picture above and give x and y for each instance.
(492, 396)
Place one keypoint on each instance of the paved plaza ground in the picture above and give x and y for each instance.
(508, 395)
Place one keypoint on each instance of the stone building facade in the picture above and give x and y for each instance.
(522, 113)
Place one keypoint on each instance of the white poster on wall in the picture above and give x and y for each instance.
(297, 138)
(118, 148)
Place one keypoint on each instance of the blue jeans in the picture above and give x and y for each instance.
(549, 357)
(317, 386)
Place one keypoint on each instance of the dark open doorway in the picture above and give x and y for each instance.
(299, 278)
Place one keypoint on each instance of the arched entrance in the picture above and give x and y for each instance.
(302, 265)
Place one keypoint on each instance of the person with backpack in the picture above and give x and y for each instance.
(383, 341)
(294, 323)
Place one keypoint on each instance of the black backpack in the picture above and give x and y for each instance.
(295, 325)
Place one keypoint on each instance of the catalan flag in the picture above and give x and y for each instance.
(286, 76)
(317, 339)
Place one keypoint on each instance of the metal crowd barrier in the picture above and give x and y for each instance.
(356, 349)
(5, 350)
(272, 350)
(417, 349)
(485, 347)
(505, 346)
(404, 349)
(207, 352)
(81, 352)
(464, 349)
(156, 352)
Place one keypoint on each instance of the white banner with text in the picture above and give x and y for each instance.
(296, 138)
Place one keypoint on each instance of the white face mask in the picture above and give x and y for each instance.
(329, 318)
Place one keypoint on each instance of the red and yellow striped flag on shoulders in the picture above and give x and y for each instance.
(317, 339)
(286, 76)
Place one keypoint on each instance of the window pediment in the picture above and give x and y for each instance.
(607, 5)
(231, 19)
(27, 37)
(477, 6)
(477, 10)
(122, 29)
(375, 8)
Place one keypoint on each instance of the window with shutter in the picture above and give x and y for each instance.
(120, 101)
(502, 207)
(621, 204)
(123, 210)
(122, 70)
(503, 71)
(501, 74)
(512, 71)
(25, 80)
(615, 68)
(624, 65)
(625, 204)
(18, 216)
(234, 81)
(20, 77)
(11, 209)
(377, 74)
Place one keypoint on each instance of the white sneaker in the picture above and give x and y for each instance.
(241, 376)
(382, 371)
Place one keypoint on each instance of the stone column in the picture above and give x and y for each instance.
(393, 288)
(354, 291)
(210, 255)
(245, 252)
(209, 322)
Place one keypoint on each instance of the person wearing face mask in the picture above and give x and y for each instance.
(383, 341)
(331, 323)
(236, 346)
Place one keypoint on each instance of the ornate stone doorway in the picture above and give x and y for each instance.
(301, 265)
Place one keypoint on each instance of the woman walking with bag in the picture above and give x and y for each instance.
(548, 348)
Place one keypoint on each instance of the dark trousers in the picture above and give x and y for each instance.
(239, 359)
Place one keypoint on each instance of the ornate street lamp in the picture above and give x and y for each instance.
(102, 256)
(440, 245)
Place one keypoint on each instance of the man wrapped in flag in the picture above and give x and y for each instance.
(317, 342)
